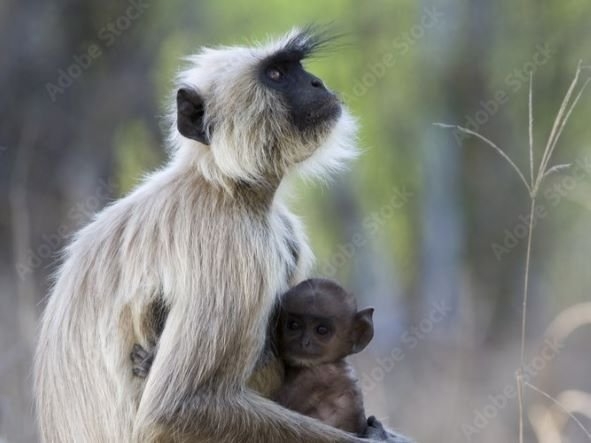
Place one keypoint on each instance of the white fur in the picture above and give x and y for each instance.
(183, 235)
(227, 79)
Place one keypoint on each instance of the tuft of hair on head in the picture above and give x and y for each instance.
(311, 40)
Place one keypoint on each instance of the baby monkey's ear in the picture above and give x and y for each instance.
(362, 329)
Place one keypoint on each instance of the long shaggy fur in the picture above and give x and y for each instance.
(203, 247)
(244, 115)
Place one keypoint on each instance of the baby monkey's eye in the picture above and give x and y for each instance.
(274, 73)
(322, 330)
(293, 325)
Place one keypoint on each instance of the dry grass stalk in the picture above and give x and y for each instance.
(533, 186)
(566, 410)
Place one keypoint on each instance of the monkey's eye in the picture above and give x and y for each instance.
(274, 73)
(322, 330)
(293, 325)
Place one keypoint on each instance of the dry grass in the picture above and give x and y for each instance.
(536, 179)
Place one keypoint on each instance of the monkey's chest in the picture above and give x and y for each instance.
(290, 248)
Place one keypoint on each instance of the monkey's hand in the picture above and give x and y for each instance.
(376, 431)
(141, 361)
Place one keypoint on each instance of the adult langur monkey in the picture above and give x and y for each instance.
(194, 259)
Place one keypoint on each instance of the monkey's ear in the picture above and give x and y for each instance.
(190, 111)
(362, 329)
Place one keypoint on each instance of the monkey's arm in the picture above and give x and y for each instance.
(266, 379)
(194, 397)
(269, 372)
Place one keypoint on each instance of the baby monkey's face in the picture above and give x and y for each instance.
(309, 340)
(320, 324)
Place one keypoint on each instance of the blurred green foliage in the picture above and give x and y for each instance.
(400, 66)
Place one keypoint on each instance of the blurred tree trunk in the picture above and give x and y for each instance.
(465, 170)
(56, 157)
(488, 181)
(441, 237)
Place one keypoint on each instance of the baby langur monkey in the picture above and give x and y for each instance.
(318, 327)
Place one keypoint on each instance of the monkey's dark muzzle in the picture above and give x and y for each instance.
(325, 111)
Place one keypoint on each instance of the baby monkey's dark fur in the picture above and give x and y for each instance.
(318, 327)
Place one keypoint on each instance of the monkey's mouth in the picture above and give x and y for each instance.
(319, 113)
(328, 110)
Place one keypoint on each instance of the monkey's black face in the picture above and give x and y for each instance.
(308, 340)
(319, 323)
(308, 101)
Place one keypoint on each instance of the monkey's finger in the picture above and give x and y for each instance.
(139, 372)
(375, 429)
(139, 353)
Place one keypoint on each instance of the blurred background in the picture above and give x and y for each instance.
(428, 226)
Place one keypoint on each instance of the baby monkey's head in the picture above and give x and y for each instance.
(319, 323)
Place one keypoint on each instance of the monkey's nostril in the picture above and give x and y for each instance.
(316, 82)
